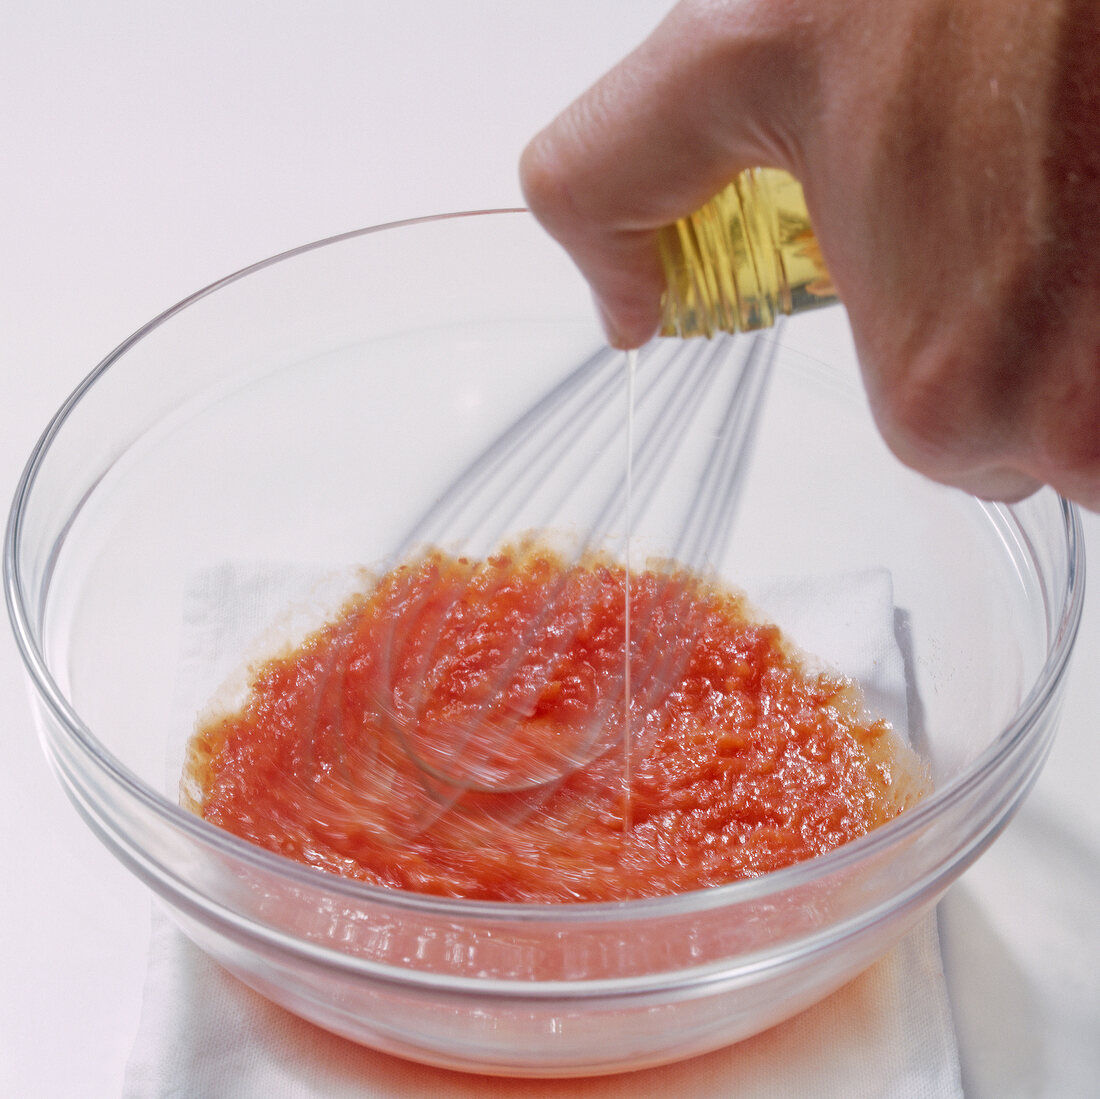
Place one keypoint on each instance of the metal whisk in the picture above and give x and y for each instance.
(561, 467)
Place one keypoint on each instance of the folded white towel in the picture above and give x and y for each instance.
(204, 1035)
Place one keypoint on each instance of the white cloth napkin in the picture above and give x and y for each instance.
(204, 1035)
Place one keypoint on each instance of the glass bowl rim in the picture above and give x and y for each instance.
(996, 756)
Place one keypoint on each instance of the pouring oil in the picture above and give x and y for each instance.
(743, 260)
(628, 734)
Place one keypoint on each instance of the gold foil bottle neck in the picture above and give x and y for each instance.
(745, 258)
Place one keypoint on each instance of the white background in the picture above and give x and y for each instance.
(149, 148)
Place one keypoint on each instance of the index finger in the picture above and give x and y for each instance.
(705, 96)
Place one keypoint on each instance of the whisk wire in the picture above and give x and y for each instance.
(495, 484)
(705, 533)
(687, 391)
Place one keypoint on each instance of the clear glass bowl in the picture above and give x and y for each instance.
(305, 413)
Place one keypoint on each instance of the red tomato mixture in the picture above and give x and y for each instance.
(460, 730)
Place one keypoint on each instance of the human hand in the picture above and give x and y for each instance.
(949, 151)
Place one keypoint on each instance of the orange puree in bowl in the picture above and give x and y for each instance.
(460, 730)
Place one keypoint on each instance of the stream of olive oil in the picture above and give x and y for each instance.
(631, 369)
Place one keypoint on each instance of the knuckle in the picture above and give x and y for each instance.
(1061, 404)
(1068, 437)
(920, 417)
